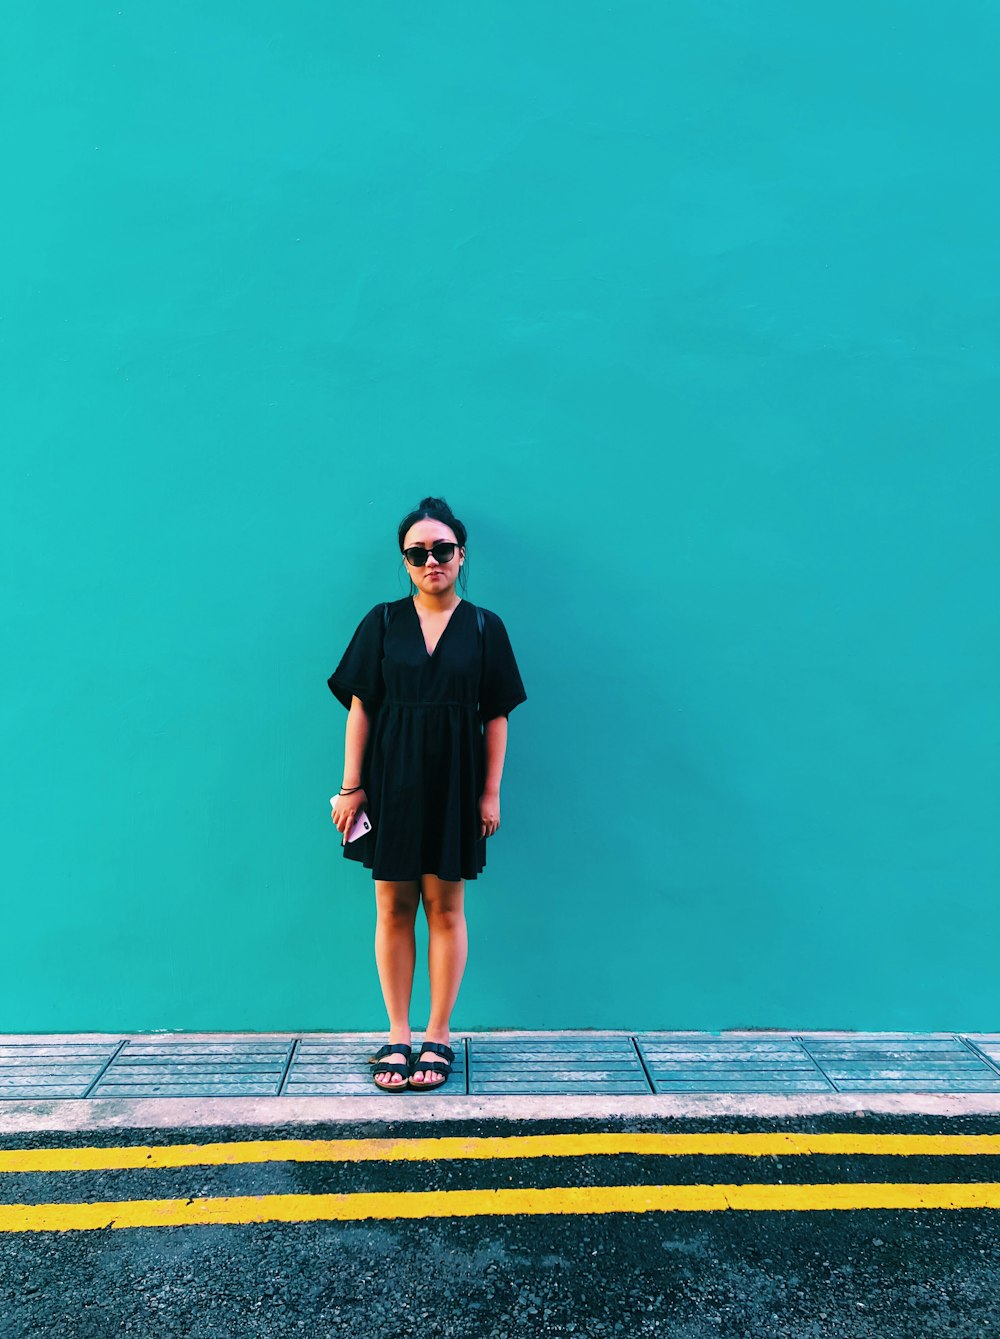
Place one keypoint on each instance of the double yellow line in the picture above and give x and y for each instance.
(464, 1203)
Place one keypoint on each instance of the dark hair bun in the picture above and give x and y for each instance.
(435, 509)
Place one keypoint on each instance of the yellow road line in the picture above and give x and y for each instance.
(468, 1203)
(488, 1147)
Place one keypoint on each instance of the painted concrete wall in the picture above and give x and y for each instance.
(713, 285)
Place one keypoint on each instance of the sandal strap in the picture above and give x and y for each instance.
(438, 1048)
(390, 1049)
(384, 1067)
(435, 1067)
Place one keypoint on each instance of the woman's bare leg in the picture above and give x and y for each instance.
(395, 956)
(447, 951)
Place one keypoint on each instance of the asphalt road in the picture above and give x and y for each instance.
(685, 1272)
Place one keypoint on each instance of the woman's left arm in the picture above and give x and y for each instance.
(495, 734)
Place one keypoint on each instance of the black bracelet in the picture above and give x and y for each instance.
(351, 791)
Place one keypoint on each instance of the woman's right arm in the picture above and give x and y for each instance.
(355, 738)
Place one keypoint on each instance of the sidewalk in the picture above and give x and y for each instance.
(89, 1080)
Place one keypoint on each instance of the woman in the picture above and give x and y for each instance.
(429, 681)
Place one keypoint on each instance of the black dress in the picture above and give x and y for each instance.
(424, 763)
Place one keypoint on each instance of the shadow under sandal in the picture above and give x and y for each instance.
(438, 1048)
(387, 1067)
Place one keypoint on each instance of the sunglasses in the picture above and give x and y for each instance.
(417, 555)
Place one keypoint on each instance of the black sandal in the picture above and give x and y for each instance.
(386, 1067)
(435, 1066)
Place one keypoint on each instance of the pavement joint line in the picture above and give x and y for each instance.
(104, 1069)
(289, 1061)
(642, 1061)
(804, 1044)
(507, 1201)
(497, 1147)
(978, 1053)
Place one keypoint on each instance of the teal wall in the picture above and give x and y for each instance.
(690, 311)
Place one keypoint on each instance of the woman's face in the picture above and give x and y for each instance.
(435, 578)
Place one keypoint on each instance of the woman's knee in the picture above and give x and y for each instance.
(397, 901)
(444, 902)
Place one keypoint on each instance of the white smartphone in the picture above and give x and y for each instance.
(361, 825)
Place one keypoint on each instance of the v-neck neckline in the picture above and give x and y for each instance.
(420, 627)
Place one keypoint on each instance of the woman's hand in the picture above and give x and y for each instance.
(345, 810)
(489, 812)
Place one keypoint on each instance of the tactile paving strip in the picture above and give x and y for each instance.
(172, 1068)
(700, 1064)
(51, 1069)
(331, 1064)
(872, 1063)
(508, 1065)
(339, 1067)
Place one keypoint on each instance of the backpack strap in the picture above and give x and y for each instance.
(385, 617)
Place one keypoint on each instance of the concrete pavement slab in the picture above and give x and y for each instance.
(104, 1080)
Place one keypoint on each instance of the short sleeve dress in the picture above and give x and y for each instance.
(424, 763)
